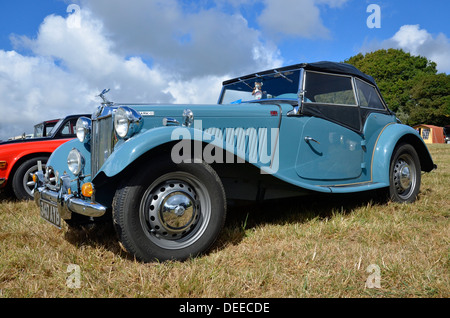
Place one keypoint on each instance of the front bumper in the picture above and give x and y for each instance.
(65, 202)
(2, 181)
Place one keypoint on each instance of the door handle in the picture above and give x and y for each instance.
(308, 139)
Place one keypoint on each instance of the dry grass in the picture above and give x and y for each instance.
(308, 247)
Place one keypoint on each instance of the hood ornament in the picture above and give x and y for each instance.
(103, 97)
(104, 104)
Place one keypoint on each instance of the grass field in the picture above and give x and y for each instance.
(309, 247)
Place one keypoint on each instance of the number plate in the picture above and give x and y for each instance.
(49, 212)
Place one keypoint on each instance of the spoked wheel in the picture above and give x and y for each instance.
(170, 211)
(22, 182)
(404, 174)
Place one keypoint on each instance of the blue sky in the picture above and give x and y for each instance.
(54, 62)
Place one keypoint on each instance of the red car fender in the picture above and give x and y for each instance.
(12, 153)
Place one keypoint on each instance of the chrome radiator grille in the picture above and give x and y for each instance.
(102, 142)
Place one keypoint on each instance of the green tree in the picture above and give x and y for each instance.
(409, 84)
(430, 100)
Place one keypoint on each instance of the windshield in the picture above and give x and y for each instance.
(38, 130)
(46, 129)
(51, 128)
(277, 85)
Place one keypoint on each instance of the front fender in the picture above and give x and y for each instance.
(129, 151)
(58, 159)
(389, 138)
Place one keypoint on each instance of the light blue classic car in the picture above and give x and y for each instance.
(166, 173)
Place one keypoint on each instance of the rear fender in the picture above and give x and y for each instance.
(389, 138)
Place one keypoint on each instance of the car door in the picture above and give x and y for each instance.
(331, 144)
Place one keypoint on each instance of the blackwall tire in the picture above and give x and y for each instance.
(22, 182)
(169, 211)
(404, 174)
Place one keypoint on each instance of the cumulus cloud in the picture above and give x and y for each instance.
(332, 3)
(192, 40)
(85, 52)
(417, 41)
(144, 51)
(200, 90)
(33, 89)
(68, 67)
(295, 18)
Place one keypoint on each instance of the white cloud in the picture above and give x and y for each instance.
(191, 40)
(203, 90)
(68, 68)
(33, 89)
(145, 51)
(417, 41)
(68, 64)
(288, 18)
(332, 3)
(295, 18)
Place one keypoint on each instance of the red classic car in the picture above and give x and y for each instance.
(19, 156)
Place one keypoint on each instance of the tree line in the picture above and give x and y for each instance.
(411, 85)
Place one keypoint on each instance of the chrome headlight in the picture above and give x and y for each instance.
(127, 122)
(75, 161)
(83, 129)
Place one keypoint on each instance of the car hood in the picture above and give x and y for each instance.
(22, 141)
(247, 114)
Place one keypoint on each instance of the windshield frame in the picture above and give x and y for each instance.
(47, 129)
(263, 77)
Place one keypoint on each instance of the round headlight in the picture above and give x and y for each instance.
(83, 129)
(121, 122)
(127, 122)
(75, 161)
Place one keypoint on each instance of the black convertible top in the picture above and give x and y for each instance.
(324, 66)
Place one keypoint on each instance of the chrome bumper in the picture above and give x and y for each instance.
(67, 203)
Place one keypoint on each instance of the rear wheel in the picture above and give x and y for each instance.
(22, 183)
(170, 211)
(404, 174)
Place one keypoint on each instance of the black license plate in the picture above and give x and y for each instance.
(50, 213)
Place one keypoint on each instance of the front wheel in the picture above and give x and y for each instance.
(404, 174)
(170, 211)
(22, 183)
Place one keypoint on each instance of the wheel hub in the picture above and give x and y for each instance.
(173, 210)
(402, 176)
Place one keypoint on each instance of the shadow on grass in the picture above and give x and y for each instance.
(293, 210)
(98, 235)
(7, 196)
(240, 218)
